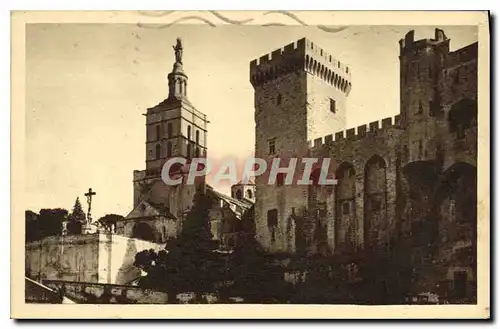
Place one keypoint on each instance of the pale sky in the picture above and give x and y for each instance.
(87, 87)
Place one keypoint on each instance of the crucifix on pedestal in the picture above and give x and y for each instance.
(89, 195)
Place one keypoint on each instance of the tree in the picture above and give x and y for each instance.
(109, 221)
(31, 229)
(51, 222)
(258, 278)
(76, 219)
(189, 263)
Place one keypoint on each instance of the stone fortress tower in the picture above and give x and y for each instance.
(300, 94)
(408, 178)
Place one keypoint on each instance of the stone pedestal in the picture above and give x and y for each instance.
(88, 228)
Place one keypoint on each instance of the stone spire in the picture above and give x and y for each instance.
(177, 79)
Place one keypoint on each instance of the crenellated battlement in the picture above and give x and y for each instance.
(323, 65)
(409, 44)
(301, 55)
(360, 132)
(279, 62)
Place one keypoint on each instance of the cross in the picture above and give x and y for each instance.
(89, 195)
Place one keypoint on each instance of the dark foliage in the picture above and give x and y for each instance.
(32, 222)
(76, 219)
(191, 263)
(48, 222)
(258, 278)
(109, 221)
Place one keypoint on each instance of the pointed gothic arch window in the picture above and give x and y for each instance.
(249, 194)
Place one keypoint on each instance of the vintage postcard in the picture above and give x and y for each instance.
(269, 164)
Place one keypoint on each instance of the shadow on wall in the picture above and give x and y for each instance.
(128, 248)
(127, 271)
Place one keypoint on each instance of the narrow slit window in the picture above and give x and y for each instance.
(272, 217)
(272, 146)
(333, 106)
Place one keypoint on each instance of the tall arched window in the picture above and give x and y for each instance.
(189, 133)
(249, 194)
(345, 207)
(239, 195)
(158, 132)
(375, 201)
(169, 150)
(197, 137)
(144, 232)
(197, 152)
(188, 152)
(158, 149)
(169, 129)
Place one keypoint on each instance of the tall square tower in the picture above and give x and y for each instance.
(300, 93)
(174, 128)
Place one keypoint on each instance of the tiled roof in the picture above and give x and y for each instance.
(250, 182)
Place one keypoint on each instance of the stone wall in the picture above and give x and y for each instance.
(104, 258)
(391, 173)
(161, 228)
(71, 258)
(151, 188)
(300, 95)
(38, 293)
(286, 125)
(117, 255)
(355, 148)
(90, 293)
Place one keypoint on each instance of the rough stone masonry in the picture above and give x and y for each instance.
(412, 176)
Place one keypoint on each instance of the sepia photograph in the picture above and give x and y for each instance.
(250, 159)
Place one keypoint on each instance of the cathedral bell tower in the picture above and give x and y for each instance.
(174, 128)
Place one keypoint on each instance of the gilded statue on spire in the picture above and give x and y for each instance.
(178, 51)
